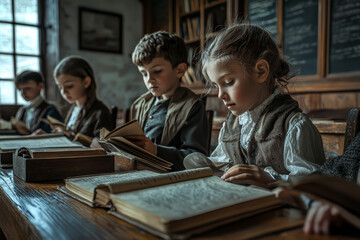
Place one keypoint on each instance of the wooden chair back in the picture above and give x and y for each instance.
(114, 112)
(210, 117)
(352, 126)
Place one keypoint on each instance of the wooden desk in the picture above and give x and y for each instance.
(8, 132)
(40, 211)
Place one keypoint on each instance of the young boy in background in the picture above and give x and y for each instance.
(30, 84)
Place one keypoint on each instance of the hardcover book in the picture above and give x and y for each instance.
(172, 204)
(116, 142)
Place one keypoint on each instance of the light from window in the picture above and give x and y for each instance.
(19, 45)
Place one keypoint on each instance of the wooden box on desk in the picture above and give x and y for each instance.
(127, 162)
(51, 169)
(6, 159)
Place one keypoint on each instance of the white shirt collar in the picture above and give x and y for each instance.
(35, 102)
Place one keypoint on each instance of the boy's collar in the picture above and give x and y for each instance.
(35, 102)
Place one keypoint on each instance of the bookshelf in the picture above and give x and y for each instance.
(196, 21)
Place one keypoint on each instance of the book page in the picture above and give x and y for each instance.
(186, 199)
(61, 152)
(21, 137)
(126, 145)
(12, 144)
(131, 184)
(91, 182)
(54, 121)
(130, 128)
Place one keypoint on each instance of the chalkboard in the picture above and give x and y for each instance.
(263, 13)
(301, 35)
(345, 36)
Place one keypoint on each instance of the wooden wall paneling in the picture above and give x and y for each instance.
(308, 102)
(323, 40)
(344, 100)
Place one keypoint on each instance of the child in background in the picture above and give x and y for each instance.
(266, 137)
(75, 79)
(173, 118)
(30, 84)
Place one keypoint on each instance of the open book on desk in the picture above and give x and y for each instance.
(167, 204)
(115, 141)
(9, 144)
(53, 121)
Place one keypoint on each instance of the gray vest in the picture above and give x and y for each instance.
(266, 145)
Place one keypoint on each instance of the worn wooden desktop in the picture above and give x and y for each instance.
(40, 211)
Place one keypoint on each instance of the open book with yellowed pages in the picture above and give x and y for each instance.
(115, 141)
(9, 144)
(53, 121)
(20, 124)
(167, 204)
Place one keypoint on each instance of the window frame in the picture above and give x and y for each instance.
(41, 27)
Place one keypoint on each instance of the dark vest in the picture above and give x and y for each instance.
(40, 112)
(93, 116)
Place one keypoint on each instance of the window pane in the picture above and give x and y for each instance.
(7, 90)
(20, 99)
(5, 10)
(27, 63)
(6, 44)
(6, 66)
(27, 40)
(26, 11)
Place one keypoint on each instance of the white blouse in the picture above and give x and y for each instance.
(74, 115)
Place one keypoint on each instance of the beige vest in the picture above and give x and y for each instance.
(179, 108)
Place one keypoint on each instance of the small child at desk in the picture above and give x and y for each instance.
(30, 84)
(173, 118)
(76, 81)
(266, 137)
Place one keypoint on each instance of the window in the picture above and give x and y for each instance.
(20, 35)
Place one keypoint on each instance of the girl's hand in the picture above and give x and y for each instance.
(39, 132)
(143, 142)
(57, 128)
(248, 174)
(320, 216)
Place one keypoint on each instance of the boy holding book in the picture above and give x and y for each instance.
(30, 84)
(173, 118)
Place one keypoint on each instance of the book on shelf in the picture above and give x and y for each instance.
(171, 204)
(49, 164)
(115, 141)
(190, 29)
(184, 30)
(191, 72)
